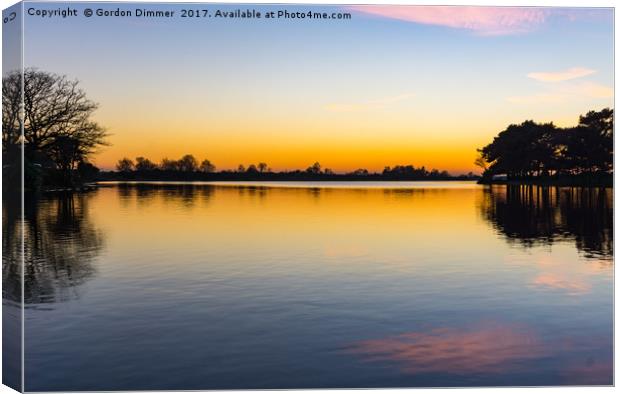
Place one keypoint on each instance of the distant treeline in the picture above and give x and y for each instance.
(533, 151)
(189, 168)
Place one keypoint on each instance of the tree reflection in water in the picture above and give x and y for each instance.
(143, 194)
(61, 243)
(532, 215)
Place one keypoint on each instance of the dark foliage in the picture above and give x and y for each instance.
(542, 150)
(58, 133)
(186, 169)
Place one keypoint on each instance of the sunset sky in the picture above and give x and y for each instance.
(393, 85)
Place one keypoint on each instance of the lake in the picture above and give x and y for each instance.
(315, 285)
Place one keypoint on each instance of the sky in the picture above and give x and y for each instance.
(393, 85)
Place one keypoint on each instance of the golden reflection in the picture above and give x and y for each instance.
(330, 222)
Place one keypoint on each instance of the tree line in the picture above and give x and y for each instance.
(188, 164)
(533, 150)
(59, 138)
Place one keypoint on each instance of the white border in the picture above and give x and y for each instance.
(537, 3)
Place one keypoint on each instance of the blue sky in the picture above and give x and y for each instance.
(419, 85)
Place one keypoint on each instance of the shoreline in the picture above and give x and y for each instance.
(300, 177)
(369, 180)
(607, 183)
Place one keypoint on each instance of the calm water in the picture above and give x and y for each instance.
(198, 286)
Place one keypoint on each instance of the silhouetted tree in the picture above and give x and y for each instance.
(169, 165)
(188, 163)
(87, 171)
(314, 169)
(124, 165)
(521, 150)
(589, 146)
(65, 152)
(53, 107)
(533, 149)
(207, 166)
(480, 161)
(408, 171)
(12, 110)
(144, 164)
(172, 168)
(57, 125)
(360, 172)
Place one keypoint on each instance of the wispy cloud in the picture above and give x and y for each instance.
(558, 76)
(566, 92)
(368, 105)
(479, 20)
(595, 90)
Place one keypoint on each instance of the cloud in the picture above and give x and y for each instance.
(368, 105)
(557, 76)
(486, 21)
(594, 90)
(565, 93)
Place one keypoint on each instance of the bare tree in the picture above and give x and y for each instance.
(11, 105)
(56, 117)
(262, 167)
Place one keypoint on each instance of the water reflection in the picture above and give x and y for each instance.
(11, 290)
(60, 244)
(533, 215)
(145, 193)
(11, 247)
(364, 287)
(490, 348)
